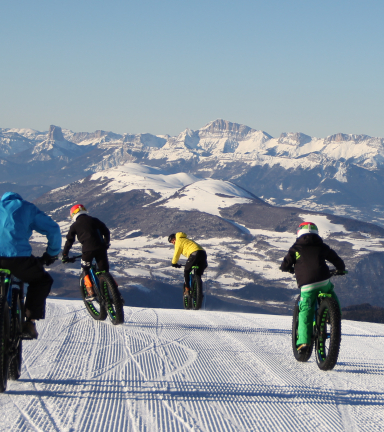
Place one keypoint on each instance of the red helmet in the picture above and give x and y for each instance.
(77, 210)
(307, 228)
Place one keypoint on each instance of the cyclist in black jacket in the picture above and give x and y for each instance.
(94, 237)
(307, 259)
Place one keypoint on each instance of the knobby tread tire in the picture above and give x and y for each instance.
(112, 297)
(95, 309)
(196, 292)
(4, 342)
(186, 301)
(302, 356)
(17, 320)
(327, 349)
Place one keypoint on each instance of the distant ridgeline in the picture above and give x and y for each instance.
(364, 312)
(339, 174)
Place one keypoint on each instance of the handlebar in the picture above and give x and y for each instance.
(72, 259)
(335, 272)
(42, 260)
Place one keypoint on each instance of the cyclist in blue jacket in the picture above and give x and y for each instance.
(18, 218)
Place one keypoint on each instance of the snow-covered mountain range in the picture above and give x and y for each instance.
(340, 174)
(230, 187)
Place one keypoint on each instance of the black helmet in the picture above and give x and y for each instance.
(171, 237)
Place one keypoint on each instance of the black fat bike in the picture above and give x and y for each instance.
(107, 300)
(12, 318)
(326, 335)
(195, 298)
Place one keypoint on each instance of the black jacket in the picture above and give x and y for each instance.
(308, 256)
(91, 233)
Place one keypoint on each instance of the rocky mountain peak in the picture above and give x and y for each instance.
(221, 125)
(294, 138)
(55, 133)
(341, 137)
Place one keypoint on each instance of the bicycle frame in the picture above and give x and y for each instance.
(316, 331)
(95, 280)
(191, 274)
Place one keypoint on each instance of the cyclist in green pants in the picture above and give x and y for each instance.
(307, 259)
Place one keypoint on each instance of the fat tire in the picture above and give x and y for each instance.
(186, 301)
(329, 329)
(113, 301)
(17, 319)
(4, 343)
(302, 356)
(196, 292)
(95, 309)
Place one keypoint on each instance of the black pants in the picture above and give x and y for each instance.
(199, 259)
(100, 256)
(31, 271)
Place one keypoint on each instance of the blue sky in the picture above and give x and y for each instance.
(162, 66)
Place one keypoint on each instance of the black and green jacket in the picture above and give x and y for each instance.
(308, 257)
(91, 233)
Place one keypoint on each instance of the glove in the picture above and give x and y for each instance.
(65, 259)
(290, 270)
(107, 246)
(176, 265)
(341, 272)
(48, 259)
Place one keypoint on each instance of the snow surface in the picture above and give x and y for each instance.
(176, 370)
(209, 196)
(133, 176)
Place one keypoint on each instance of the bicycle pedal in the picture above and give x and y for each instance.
(26, 337)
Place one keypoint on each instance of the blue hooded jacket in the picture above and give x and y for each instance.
(18, 218)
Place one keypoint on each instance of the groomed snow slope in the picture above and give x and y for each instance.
(176, 370)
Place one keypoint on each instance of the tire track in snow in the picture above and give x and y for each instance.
(136, 377)
(65, 345)
(248, 356)
(157, 348)
(29, 413)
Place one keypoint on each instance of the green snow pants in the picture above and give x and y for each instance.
(308, 298)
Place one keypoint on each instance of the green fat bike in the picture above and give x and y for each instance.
(12, 318)
(107, 300)
(326, 335)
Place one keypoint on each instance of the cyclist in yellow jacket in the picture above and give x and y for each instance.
(194, 252)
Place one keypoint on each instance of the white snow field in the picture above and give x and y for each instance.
(177, 370)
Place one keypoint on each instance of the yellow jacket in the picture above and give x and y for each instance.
(184, 246)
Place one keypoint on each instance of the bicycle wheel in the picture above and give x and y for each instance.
(186, 301)
(4, 343)
(95, 307)
(196, 292)
(329, 334)
(112, 297)
(17, 319)
(303, 355)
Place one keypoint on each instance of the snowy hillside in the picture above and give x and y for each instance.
(245, 239)
(171, 370)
